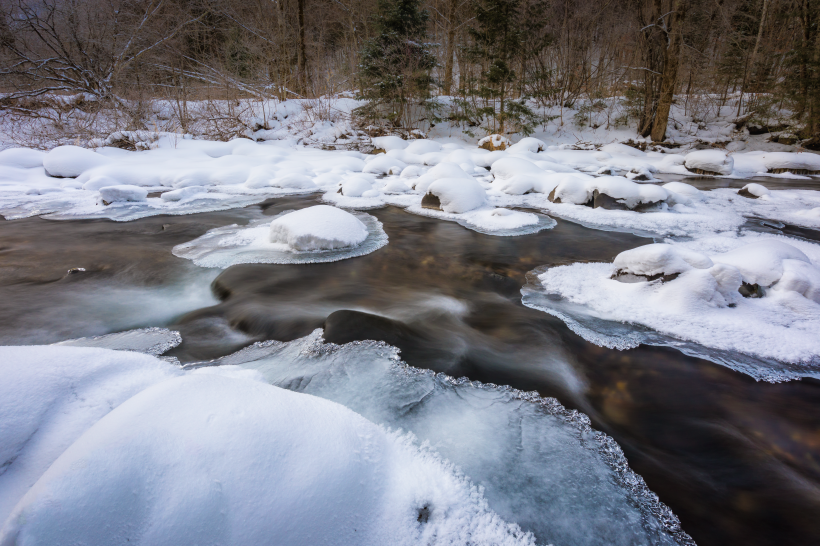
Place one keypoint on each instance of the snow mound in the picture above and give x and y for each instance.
(71, 161)
(355, 186)
(182, 193)
(384, 164)
(49, 396)
(528, 144)
(388, 143)
(709, 162)
(753, 191)
(123, 193)
(216, 459)
(458, 195)
(445, 169)
(23, 158)
(755, 308)
(775, 161)
(316, 234)
(320, 227)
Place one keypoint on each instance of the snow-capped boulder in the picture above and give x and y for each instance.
(800, 163)
(355, 186)
(762, 262)
(457, 195)
(528, 144)
(219, 457)
(709, 162)
(122, 193)
(494, 143)
(658, 260)
(753, 191)
(71, 161)
(607, 192)
(293, 181)
(440, 171)
(384, 164)
(321, 227)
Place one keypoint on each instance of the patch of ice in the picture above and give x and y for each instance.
(151, 341)
(539, 464)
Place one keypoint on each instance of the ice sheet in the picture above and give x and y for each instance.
(539, 464)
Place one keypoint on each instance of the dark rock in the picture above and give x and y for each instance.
(346, 326)
(746, 193)
(641, 178)
(376, 151)
(430, 201)
(749, 290)
(629, 278)
(602, 200)
(424, 514)
(155, 194)
(552, 197)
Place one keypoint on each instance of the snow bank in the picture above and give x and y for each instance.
(457, 195)
(779, 161)
(49, 396)
(313, 235)
(24, 158)
(71, 161)
(222, 458)
(753, 191)
(709, 161)
(761, 300)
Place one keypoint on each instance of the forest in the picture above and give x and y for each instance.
(495, 61)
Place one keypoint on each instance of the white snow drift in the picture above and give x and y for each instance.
(109, 447)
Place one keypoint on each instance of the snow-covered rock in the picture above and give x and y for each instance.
(709, 161)
(440, 171)
(388, 143)
(356, 186)
(528, 144)
(320, 227)
(494, 142)
(384, 164)
(123, 193)
(458, 195)
(621, 191)
(753, 191)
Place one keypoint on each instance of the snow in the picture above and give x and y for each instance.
(698, 307)
(316, 234)
(713, 161)
(123, 193)
(539, 464)
(71, 161)
(49, 396)
(579, 190)
(23, 158)
(183, 193)
(458, 195)
(756, 190)
(107, 447)
(318, 228)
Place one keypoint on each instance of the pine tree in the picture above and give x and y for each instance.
(396, 64)
(498, 42)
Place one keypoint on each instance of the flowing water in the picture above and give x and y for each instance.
(738, 461)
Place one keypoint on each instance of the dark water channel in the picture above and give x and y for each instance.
(737, 460)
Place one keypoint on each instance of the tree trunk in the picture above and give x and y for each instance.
(670, 71)
(450, 47)
(302, 52)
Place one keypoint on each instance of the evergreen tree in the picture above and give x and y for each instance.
(498, 41)
(396, 64)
